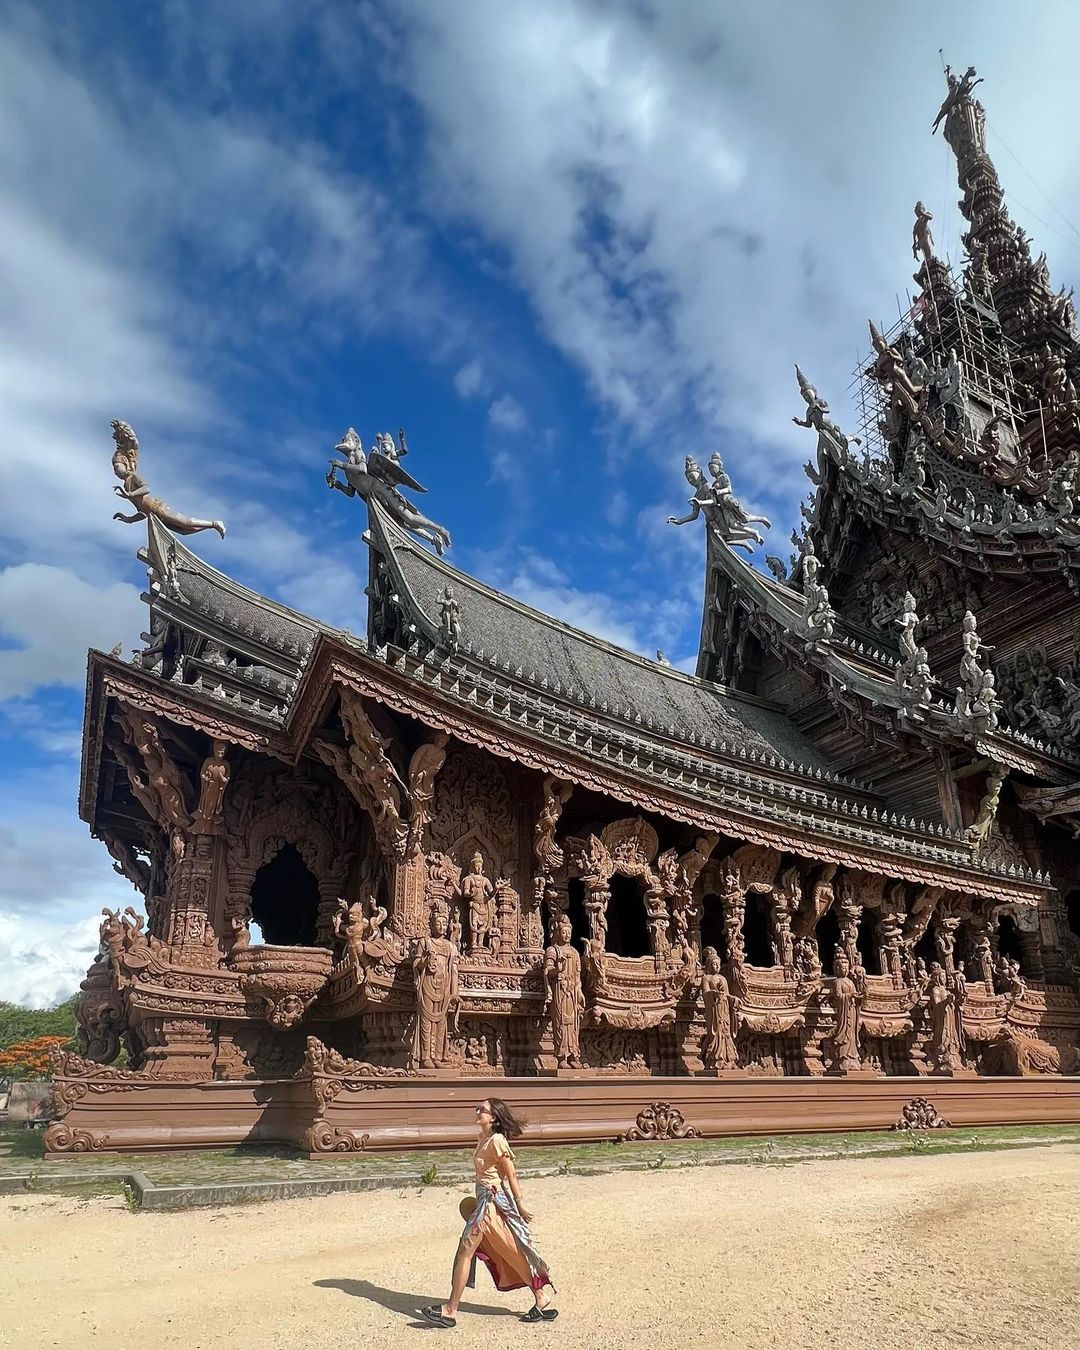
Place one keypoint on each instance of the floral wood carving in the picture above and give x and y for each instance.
(660, 1120)
(63, 1138)
(920, 1114)
(322, 1137)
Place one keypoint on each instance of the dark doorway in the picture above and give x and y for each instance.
(756, 940)
(927, 949)
(1008, 934)
(628, 927)
(866, 944)
(828, 938)
(575, 912)
(712, 926)
(1072, 911)
(285, 900)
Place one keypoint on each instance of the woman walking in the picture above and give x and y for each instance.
(496, 1230)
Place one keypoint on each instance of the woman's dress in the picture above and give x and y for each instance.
(505, 1244)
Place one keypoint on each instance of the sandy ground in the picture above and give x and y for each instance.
(913, 1252)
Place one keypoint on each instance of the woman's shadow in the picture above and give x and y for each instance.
(408, 1305)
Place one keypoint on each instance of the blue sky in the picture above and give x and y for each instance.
(562, 243)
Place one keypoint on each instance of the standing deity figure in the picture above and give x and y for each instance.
(719, 1050)
(846, 997)
(908, 621)
(424, 767)
(133, 489)
(450, 619)
(922, 241)
(435, 968)
(786, 898)
(565, 999)
(213, 779)
(945, 1033)
(477, 892)
(817, 417)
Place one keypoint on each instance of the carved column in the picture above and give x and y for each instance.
(849, 912)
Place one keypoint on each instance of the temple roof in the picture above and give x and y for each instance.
(583, 669)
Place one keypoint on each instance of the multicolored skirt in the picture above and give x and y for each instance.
(505, 1244)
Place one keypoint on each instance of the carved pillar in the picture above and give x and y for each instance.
(407, 907)
(945, 940)
(191, 936)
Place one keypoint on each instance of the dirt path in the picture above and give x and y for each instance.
(902, 1252)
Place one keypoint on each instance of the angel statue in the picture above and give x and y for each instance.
(722, 511)
(133, 489)
(817, 417)
(377, 477)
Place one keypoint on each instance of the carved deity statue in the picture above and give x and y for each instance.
(722, 512)
(846, 998)
(922, 241)
(477, 892)
(165, 785)
(133, 489)
(435, 969)
(890, 370)
(424, 766)
(944, 1015)
(786, 898)
(719, 1050)
(213, 780)
(377, 478)
(450, 619)
(565, 999)
(977, 703)
(817, 417)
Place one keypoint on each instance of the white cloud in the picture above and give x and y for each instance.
(692, 196)
(43, 962)
(53, 617)
(470, 380)
(507, 414)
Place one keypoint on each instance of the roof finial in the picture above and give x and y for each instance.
(376, 478)
(133, 489)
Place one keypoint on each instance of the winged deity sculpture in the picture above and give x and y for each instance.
(717, 501)
(133, 489)
(377, 477)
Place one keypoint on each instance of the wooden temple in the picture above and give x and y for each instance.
(832, 873)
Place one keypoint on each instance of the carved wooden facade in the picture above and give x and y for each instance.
(483, 844)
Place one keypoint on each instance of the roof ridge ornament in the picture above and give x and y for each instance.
(133, 488)
(377, 477)
(723, 513)
(832, 441)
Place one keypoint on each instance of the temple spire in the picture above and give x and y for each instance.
(999, 251)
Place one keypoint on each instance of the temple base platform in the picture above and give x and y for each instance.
(329, 1115)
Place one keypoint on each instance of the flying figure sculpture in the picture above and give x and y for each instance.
(376, 477)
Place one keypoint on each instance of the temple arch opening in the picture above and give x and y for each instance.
(1072, 911)
(285, 900)
(627, 921)
(926, 948)
(575, 912)
(712, 925)
(866, 943)
(756, 937)
(1009, 943)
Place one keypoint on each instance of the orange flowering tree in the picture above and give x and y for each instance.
(30, 1058)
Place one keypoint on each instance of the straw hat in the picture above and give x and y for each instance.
(465, 1209)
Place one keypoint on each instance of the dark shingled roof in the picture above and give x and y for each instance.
(552, 651)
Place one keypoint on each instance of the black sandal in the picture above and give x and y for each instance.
(536, 1314)
(434, 1313)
